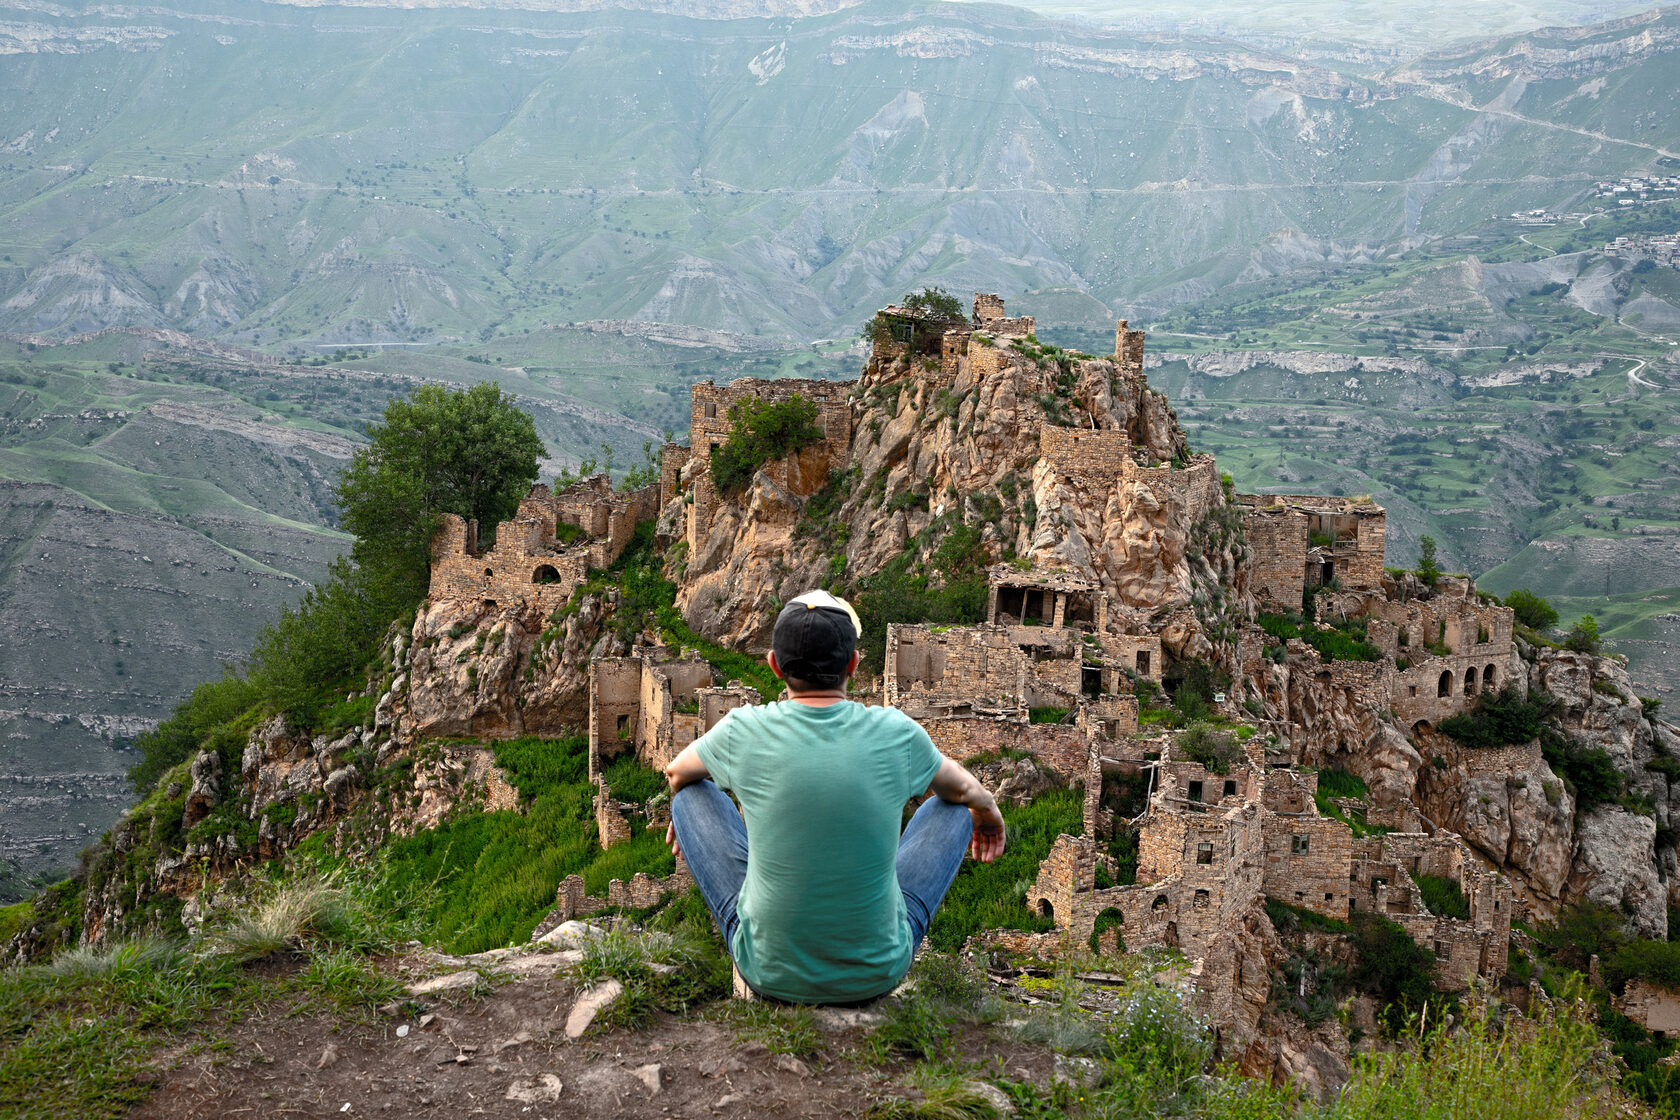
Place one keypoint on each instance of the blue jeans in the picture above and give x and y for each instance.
(713, 839)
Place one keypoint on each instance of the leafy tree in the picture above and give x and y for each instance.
(1583, 636)
(762, 431)
(1507, 716)
(936, 302)
(1394, 969)
(1531, 610)
(469, 452)
(1428, 570)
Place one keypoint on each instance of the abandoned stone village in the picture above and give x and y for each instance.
(1138, 556)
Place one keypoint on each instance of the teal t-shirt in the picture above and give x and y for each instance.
(822, 791)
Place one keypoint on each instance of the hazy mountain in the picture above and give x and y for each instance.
(279, 174)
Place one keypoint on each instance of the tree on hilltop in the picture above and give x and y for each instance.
(469, 452)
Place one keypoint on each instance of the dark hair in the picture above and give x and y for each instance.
(824, 680)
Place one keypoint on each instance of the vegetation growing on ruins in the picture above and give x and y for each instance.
(762, 431)
(1335, 640)
(948, 587)
(1510, 715)
(1531, 610)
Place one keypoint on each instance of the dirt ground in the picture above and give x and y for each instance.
(506, 1054)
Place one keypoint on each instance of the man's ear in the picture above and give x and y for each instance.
(774, 668)
(852, 665)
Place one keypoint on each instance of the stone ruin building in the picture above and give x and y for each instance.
(547, 549)
(687, 469)
(1055, 673)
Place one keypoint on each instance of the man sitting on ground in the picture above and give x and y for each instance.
(819, 898)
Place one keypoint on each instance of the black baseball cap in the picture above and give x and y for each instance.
(814, 637)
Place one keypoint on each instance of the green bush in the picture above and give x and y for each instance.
(1584, 637)
(1505, 717)
(760, 432)
(1531, 610)
(1395, 970)
(950, 587)
(1655, 961)
(1209, 748)
(1333, 782)
(1443, 896)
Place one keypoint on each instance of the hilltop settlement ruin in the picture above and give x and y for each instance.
(1138, 557)
(1249, 729)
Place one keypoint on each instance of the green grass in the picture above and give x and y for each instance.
(986, 895)
(489, 878)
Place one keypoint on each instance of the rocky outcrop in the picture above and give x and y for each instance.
(935, 447)
(500, 672)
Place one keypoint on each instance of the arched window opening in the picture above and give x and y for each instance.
(546, 573)
(1444, 688)
(1470, 681)
(1045, 910)
(1490, 679)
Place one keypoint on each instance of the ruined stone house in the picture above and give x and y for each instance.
(545, 551)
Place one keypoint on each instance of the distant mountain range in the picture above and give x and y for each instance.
(281, 175)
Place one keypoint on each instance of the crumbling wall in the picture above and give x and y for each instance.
(615, 702)
(1061, 747)
(642, 891)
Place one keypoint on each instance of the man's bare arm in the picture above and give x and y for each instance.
(955, 784)
(685, 769)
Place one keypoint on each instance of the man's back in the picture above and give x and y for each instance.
(822, 791)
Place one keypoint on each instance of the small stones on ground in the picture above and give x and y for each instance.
(402, 1031)
(329, 1057)
(591, 1003)
(997, 1098)
(1077, 1071)
(464, 981)
(519, 1039)
(752, 1048)
(427, 1020)
(729, 1099)
(392, 1009)
(543, 1089)
(721, 1067)
(535, 963)
(570, 935)
(790, 1064)
(649, 1075)
(846, 1018)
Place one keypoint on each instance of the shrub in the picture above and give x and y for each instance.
(1515, 1069)
(760, 432)
(1443, 896)
(1394, 969)
(1584, 637)
(1428, 570)
(1531, 610)
(1211, 749)
(1501, 718)
(1655, 961)
(179, 737)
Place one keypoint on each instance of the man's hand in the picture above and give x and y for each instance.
(671, 839)
(987, 842)
(955, 784)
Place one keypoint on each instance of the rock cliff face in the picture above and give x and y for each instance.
(935, 448)
(503, 671)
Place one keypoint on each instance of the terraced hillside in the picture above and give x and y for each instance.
(302, 175)
(160, 499)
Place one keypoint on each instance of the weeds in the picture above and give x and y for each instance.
(942, 1092)
(782, 1030)
(297, 914)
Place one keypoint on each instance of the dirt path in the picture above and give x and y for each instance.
(506, 1055)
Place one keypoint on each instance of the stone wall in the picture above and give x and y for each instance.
(1654, 1008)
(1285, 561)
(615, 702)
(642, 891)
(1307, 862)
(1128, 347)
(1277, 542)
(528, 565)
(1063, 748)
(959, 667)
